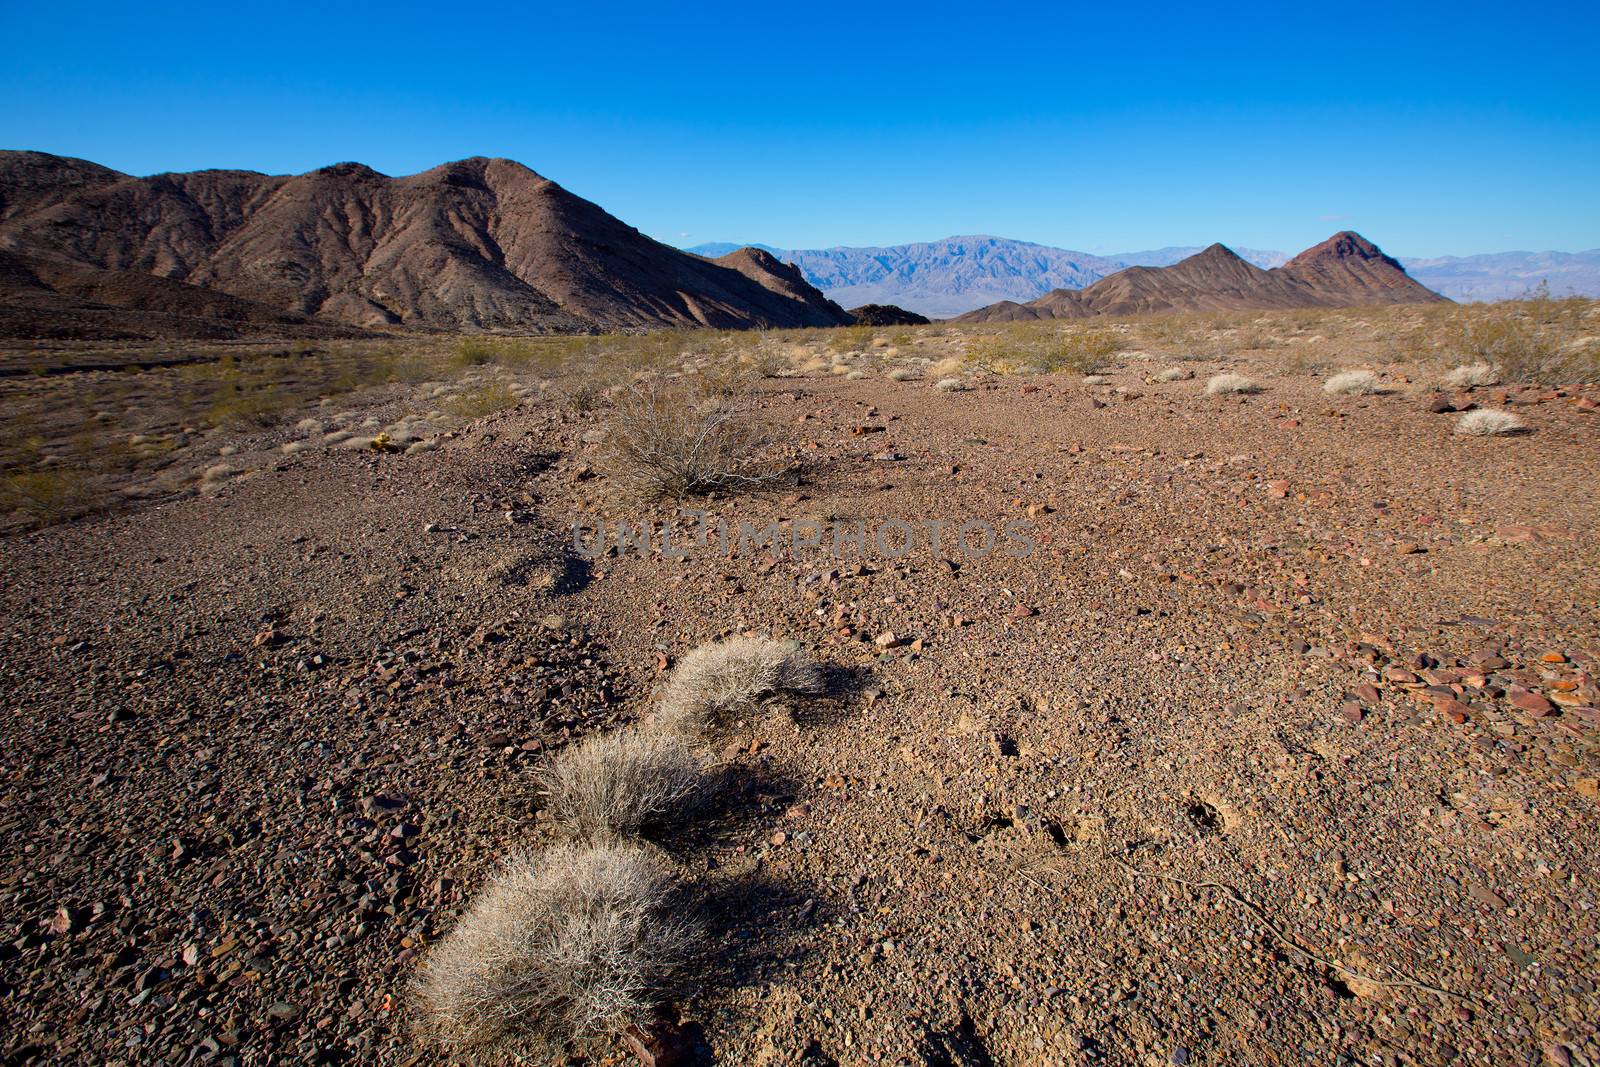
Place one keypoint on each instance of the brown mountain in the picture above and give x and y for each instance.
(887, 315)
(476, 244)
(1345, 270)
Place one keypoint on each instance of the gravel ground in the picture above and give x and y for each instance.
(1281, 747)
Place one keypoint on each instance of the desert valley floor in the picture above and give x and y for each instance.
(1281, 748)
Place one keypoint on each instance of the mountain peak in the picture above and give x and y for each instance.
(1217, 252)
(1343, 245)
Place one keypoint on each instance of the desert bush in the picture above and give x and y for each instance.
(1081, 351)
(1352, 383)
(562, 945)
(1174, 374)
(1536, 340)
(47, 495)
(1488, 422)
(1225, 384)
(1035, 348)
(717, 682)
(850, 338)
(672, 440)
(623, 784)
(951, 385)
(486, 399)
(1096, 379)
(544, 355)
(902, 374)
(1471, 375)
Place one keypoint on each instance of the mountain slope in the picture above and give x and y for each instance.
(475, 244)
(1343, 271)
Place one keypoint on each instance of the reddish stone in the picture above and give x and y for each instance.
(1532, 703)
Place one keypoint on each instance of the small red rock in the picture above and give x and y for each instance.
(1532, 703)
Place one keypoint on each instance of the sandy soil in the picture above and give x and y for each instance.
(1280, 748)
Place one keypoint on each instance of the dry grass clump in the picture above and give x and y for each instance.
(951, 385)
(1096, 379)
(902, 374)
(1174, 374)
(716, 682)
(1225, 384)
(672, 440)
(1472, 375)
(1352, 383)
(623, 784)
(561, 945)
(1488, 422)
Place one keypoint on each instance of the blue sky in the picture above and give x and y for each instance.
(1432, 130)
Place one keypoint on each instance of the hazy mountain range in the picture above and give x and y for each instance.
(960, 274)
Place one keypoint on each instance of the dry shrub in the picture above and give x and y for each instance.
(1039, 348)
(1225, 384)
(486, 399)
(951, 385)
(1471, 376)
(902, 374)
(623, 784)
(1096, 379)
(850, 338)
(672, 440)
(1352, 383)
(46, 496)
(1174, 374)
(1535, 340)
(561, 945)
(1488, 422)
(717, 682)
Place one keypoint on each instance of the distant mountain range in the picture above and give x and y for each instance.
(1505, 275)
(1346, 270)
(86, 251)
(959, 274)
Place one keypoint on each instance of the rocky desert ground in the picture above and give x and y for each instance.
(1272, 740)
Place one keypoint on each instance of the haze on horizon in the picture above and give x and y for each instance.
(1442, 130)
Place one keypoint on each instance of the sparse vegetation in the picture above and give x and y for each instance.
(672, 440)
(1228, 384)
(717, 682)
(46, 496)
(1174, 374)
(486, 399)
(1471, 376)
(1352, 383)
(1488, 422)
(951, 385)
(623, 784)
(1032, 348)
(570, 943)
(1537, 340)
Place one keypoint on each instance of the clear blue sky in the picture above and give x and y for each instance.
(1444, 129)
